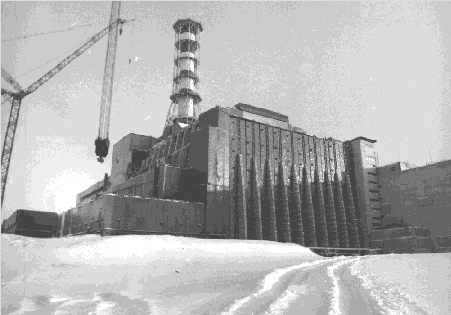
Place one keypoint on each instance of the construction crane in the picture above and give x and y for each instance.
(15, 98)
(102, 142)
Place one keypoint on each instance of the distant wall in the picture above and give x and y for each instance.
(421, 196)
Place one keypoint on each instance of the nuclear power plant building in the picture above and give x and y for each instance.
(242, 172)
(256, 175)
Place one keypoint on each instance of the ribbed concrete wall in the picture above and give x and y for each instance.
(281, 156)
(264, 181)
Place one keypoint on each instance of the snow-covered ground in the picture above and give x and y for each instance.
(177, 275)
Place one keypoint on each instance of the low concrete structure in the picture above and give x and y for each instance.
(408, 245)
(403, 240)
(113, 215)
(31, 223)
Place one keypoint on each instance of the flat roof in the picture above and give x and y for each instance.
(364, 139)
(261, 111)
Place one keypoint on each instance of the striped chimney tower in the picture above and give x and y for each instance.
(185, 99)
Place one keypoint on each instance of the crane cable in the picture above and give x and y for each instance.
(64, 53)
(44, 33)
(131, 44)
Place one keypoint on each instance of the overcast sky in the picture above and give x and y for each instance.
(337, 69)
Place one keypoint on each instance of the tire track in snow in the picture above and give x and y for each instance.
(96, 303)
(387, 296)
(284, 302)
(269, 283)
(335, 292)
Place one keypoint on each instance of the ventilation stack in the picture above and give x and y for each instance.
(185, 100)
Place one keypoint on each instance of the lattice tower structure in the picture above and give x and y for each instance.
(185, 99)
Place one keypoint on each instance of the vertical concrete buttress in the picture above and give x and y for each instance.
(363, 235)
(343, 237)
(350, 214)
(320, 214)
(269, 225)
(240, 200)
(282, 212)
(255, 226)
(308, 215)
(329, 206)
(297, 231)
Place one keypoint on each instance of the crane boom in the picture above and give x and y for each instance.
(8, 95)
(102, 142)
(11, 80)
(33, 87)
(16, 98)
(6, 92)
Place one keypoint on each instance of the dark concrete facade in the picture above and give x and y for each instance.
(257, 176)
(418, 196)
(114, 215)
(261, 178)
(415, 207)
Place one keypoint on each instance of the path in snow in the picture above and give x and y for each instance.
(175, 275)
(350, 285)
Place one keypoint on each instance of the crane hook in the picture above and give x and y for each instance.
(102, 146)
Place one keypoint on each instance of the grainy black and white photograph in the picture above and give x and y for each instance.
(225, 157)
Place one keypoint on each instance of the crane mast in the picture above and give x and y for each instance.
(102, 142)
(16, 97)
(8, 143)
